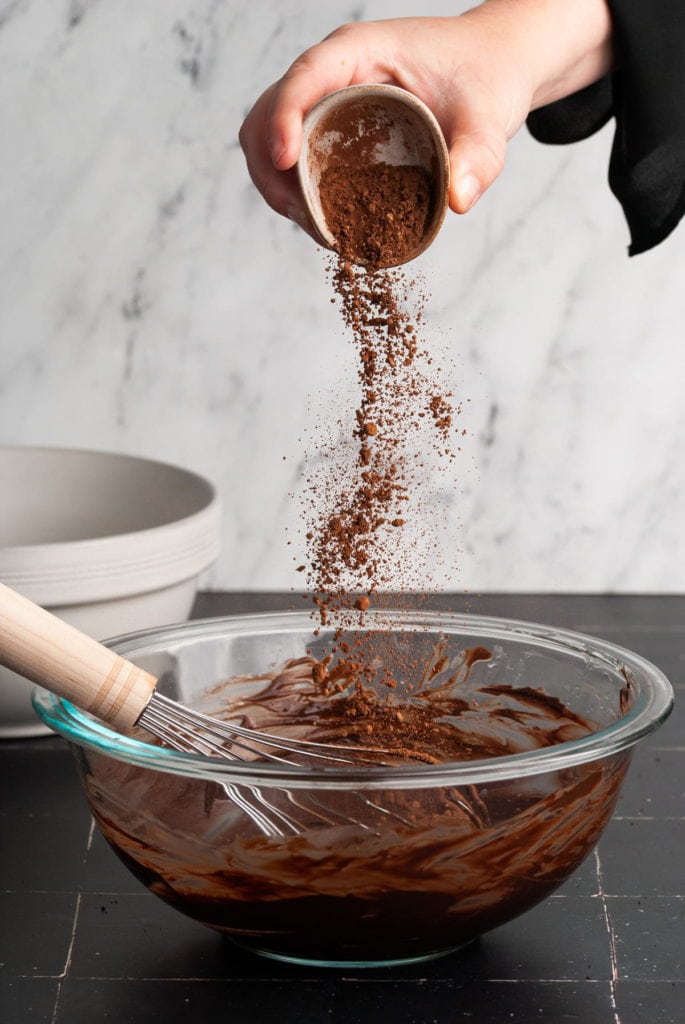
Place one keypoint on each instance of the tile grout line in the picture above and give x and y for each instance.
(91, 835)
(55, 1008)
(250, 979)
(72, 937)
(612, 939)
(67, 961)
(648, 817)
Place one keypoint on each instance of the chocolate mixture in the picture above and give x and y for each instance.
(453, 711)
(425, 872)
(367, 874)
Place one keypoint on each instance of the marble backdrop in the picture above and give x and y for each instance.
(151, 303)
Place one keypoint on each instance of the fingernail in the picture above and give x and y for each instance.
(468, 191)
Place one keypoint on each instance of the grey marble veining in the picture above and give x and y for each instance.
(152, 303)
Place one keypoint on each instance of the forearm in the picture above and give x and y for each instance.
(565, 44)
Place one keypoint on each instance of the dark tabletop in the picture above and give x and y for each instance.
(82, 941)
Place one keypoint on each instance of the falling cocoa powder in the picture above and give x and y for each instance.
(356, 518)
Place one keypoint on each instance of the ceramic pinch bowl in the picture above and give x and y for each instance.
(373, 124)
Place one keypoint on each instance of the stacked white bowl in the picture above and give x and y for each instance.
(109, 543)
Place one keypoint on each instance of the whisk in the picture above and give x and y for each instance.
(59, 657)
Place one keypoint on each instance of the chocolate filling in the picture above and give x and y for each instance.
(371, 874)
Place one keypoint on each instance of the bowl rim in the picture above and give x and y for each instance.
(653, 705)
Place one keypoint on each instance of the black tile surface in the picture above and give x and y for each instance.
(191, 1002)
(36, 935)
(82, 941)
(583, 881)
(639, 1002)
(40, 785)
(455, 1002)
(29, 1000)
(657, 783)
(63, 842)
(103, 872)
(643, 857)
(650, 938)
(166, 946)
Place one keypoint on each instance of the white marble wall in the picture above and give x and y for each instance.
(151, 303)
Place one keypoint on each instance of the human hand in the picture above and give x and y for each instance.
(480, 73)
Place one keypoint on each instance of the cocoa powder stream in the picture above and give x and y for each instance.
(355, 520)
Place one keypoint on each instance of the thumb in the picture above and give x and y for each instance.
(476, 158)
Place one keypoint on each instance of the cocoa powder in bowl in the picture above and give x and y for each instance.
(377, 213)
(376, 170)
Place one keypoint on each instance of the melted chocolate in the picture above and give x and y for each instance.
(373, 874)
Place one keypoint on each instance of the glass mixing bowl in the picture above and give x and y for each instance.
(369, 866)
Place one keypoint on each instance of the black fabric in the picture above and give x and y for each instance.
(646, 95)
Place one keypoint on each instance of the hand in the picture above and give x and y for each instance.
(480, 73)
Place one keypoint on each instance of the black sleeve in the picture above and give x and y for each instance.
(646, 95)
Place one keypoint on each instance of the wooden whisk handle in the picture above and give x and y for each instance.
(59, 657)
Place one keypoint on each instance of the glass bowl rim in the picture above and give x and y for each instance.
(653, 705)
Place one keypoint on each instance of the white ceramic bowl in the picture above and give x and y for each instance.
(109, 543)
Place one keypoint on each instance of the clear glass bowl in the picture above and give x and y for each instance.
(368, 866)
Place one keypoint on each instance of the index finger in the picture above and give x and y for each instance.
(330, 65)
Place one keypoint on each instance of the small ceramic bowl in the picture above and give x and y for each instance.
(413, 137)
(367, 866)
(109, 543)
